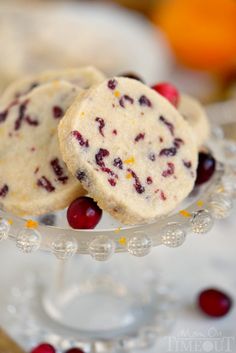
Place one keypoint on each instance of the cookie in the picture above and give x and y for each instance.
(132, 151)
(83, 77)
(33, 177)
(195, 115)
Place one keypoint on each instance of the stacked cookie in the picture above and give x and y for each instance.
(67, 133)
(33, 177)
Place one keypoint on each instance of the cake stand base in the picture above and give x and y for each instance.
(113, 306)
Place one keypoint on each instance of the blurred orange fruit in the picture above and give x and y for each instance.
(202, 33)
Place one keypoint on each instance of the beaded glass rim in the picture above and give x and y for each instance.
(213, 201)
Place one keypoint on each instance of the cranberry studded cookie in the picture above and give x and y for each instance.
(130, 148)
(194, 114)
(83, 77)
(33, 177)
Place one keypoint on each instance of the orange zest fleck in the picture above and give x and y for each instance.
(128, 176)
(31, 224)
(199, 203)
(123, 241)
(185, 213)
(10, 221)
(117, 94)
(130, 160)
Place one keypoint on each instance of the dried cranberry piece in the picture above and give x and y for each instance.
(144, 101)
(58, 170)
(22, 109)
(109, 171)
(112, 84)
(137, 185)
(80, 139)
(140, 136)
(169, 171)
(3, 116)
(163, 195)
(63, 179)
(152, 157)
(4, 191)
(80, 175)
(178, 142)
(30, 88)
(149, 180)
(31, 121)
(101, 125)
(125, 98)
(187, 164)
(57, 112)
(112, 182)
(168, 152)
(169, 125)
(118, 163)
(44, 183)
(102, 153)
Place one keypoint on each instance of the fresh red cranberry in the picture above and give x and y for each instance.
(74, 350)
(214, 303)
(44, 348)
(83, 213)
(168, 91)
(206, 167)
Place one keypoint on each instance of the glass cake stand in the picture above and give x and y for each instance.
(109, 305)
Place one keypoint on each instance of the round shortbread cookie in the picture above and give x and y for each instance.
(130, 149)
(33, 178)
(83, 77)
(194, 113)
